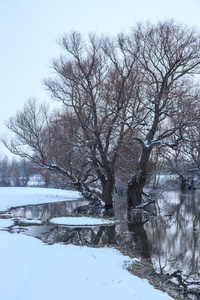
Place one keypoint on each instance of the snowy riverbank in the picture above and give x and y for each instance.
(19, 196)
(30, 269)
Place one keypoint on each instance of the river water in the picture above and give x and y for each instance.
(167, 236)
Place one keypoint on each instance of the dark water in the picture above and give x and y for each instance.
(168, 237)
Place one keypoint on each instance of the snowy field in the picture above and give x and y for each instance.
(30, 269)
(19, 196)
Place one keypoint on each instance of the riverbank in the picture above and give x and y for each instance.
(31, 269)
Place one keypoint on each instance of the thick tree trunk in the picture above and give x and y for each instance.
(108, 185)
(138, 181)
(108, 190)
(135, 189)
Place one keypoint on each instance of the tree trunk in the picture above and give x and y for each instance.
(138, 181)
(108, 190)
(106, 196)
(135, 189)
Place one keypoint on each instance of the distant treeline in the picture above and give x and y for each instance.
(22, 172)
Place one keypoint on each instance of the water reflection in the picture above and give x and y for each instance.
(170, 239)
(48, 210)
(127, 236)
(174, 239)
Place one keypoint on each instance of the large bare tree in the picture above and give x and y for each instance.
(83, 141)
(168, 55)
(98, 92)
(137, 88)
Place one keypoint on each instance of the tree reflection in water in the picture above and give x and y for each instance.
(169, 240)
(174, 238)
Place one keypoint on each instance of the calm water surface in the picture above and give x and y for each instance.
(168, 236)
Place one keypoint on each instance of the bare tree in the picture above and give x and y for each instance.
(43, 139)
(124, 97)
(83, 141)
(185, 162)
(169, 56)
(5, 179)
(97, 91)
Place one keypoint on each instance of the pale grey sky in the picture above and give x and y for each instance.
(29, 30)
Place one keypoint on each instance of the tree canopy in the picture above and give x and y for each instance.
(124, 98)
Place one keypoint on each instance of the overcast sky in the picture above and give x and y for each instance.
(29, 30)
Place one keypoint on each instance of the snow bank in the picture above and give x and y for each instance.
(80, 221)
(32, 270)
(12, 196)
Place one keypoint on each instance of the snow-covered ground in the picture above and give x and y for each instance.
(19, 196)
(32, 270)
(82, 221)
